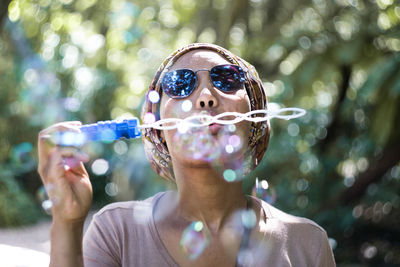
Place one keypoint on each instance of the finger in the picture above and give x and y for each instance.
(77, 123)
(44, 139)
(55, 167)
(73, 152)
(55, 164)
(46, 134)
(76, 174)
(75, 161)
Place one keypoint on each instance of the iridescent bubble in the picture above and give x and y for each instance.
(194, 240)
(186, 105)
(93, 149)
(196, 143)
(245, 257)
(263, 191)
(46, 202)
(235, 141)
(264, 184)
(231, 128)
(149, 118)
(153, 96)
(249, 218)
(47, 205)
(229, 175)
(120, 147)
(100, 166)
(222, 148)
(238, 224)
(183, 127)
(72, 104)
(111, 189)
(231, 145)
(68, 139)
(229, 149)
(21, 153)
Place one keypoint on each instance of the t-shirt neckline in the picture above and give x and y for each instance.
(156, 235)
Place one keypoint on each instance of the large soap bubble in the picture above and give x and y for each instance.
(194, 240)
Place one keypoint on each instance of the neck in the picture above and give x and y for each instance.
(205, 196)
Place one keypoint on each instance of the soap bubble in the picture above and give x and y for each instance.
(154, 97)
(42, 195)
(93, 149)
(245, 257)
(111, 189)
(196, 143)
(120, 147)
(182, 127)
(240, 225)
(149, 118)
(199, 143)
(21, 153)
(187, 105)
(194, 240)
(68, 138)
(263, 191)
(229, 175)
(229, 148)
(249, 218)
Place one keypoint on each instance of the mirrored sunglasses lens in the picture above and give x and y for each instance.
(227, 78)
(179, 83)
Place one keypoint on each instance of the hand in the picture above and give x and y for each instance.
(64, 176)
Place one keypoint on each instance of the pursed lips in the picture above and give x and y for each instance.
(215, 128)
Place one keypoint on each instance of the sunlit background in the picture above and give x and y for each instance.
(93, 60)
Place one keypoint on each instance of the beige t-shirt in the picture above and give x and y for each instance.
(125, 234)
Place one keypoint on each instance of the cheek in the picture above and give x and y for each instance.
(170, 108)
(238, 102)
(243, 106)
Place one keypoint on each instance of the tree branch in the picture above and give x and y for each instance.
(390, 157)
(227, 18)
(332, 129)
(3, 11)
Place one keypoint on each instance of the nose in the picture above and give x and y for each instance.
(206, 99)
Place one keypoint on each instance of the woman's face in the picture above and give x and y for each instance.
(200, 145)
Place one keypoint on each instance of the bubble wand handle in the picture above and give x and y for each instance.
(111, 130)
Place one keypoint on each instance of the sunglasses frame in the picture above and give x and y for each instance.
(241, 71)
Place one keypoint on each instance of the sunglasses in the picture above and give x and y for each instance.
(181, 83)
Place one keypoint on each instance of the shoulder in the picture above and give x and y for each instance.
(299, 239)
(126, 211)
(290, 220)
(290, 230)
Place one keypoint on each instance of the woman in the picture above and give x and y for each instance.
(207, 221)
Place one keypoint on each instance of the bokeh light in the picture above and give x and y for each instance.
(154, 97)
(100, 166)
(264, 191)
(186, 105)
(149, 118)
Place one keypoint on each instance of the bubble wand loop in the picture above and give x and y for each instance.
(109, 131)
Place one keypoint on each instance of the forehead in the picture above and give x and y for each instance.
(199, 59)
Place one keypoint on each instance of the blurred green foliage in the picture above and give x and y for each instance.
(93, 60)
